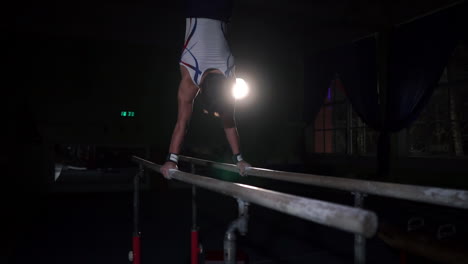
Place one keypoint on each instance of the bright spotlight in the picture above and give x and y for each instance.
(240, 89)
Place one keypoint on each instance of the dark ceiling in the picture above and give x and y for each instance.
(326, 22)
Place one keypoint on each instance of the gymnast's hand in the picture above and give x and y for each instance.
(166, 167)
(243, 166)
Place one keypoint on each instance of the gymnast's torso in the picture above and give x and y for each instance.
(206, 46)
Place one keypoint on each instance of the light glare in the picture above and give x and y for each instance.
(240, 89)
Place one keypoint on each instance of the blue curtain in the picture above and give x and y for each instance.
(358, 72)
(419, 52)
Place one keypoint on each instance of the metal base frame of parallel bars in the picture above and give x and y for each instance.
(240, 225)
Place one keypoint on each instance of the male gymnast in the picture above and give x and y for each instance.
(206, 66)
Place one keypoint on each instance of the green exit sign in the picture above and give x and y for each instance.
(127, 114)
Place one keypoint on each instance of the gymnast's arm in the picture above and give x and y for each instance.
(186, 94)
(230, 129)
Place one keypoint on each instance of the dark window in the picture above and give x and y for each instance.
(337, 129)
(442, 129)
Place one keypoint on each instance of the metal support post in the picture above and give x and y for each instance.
(195, 247)
(359, 240)
(135, 255)
(240, 224)
(230, 248)
(194, 201)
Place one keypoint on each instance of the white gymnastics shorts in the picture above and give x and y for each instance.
(206, 48)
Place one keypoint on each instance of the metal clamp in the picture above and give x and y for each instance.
(359, 199)
(415, 223)
(141, 171)
(445, 231)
